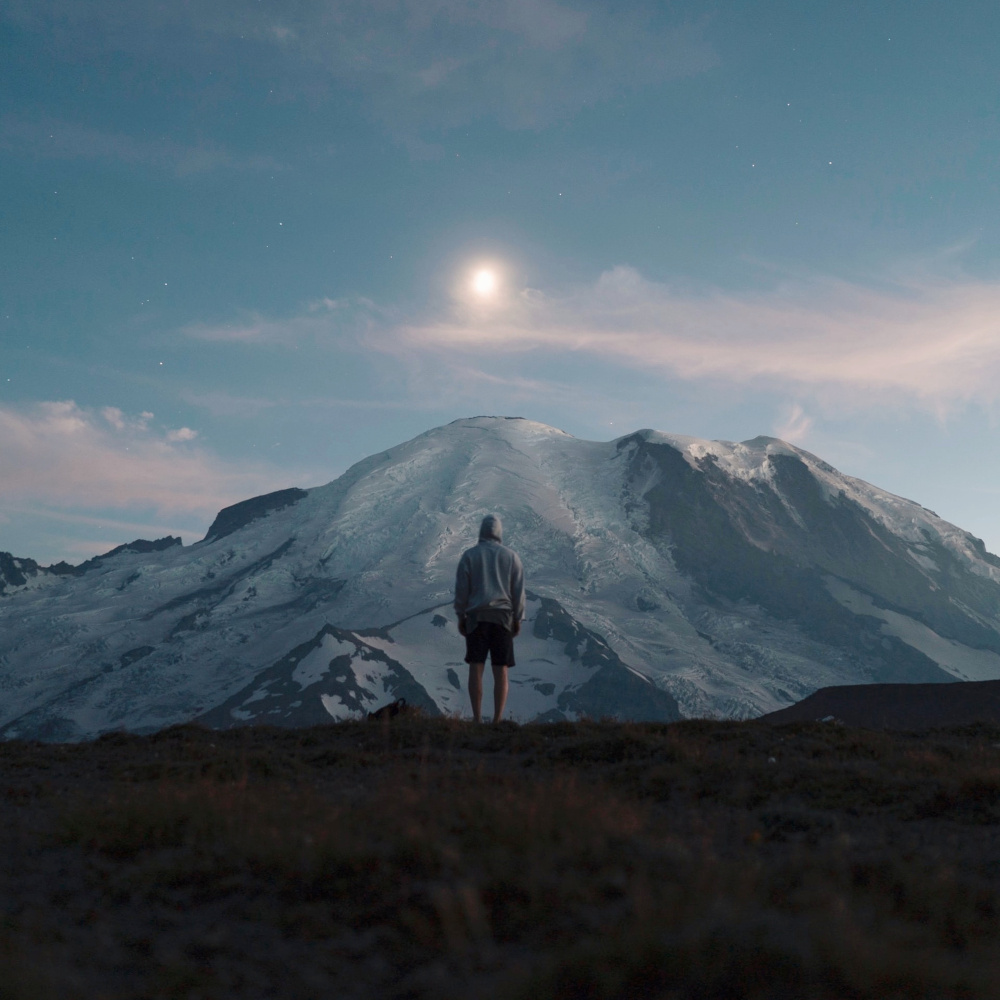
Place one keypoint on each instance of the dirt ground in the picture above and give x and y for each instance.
(435, 858)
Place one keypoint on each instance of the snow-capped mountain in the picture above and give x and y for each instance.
(666, 575)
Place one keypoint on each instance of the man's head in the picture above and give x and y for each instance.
(491, 528)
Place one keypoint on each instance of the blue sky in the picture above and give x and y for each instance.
(239, 241)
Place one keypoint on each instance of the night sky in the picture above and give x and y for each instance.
(245, 244)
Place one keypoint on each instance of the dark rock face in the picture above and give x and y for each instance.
(277, 697)
(620, 692)
(614, 689)
(13, 570)
(740, 542)
(231, 519)
(140, 545)
(16, 572)
(62, 568)
(134, 655)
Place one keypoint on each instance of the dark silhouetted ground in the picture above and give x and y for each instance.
(899, 706)
(432, 858)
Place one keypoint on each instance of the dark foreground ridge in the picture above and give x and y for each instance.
(433, 858)
(898, 706)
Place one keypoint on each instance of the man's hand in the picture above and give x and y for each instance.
(515, 629)
(461, 626)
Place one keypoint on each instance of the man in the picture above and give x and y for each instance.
(489, 603)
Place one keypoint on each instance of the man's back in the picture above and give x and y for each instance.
(489, 603)
(489, 584)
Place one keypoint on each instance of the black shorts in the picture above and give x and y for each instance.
(492, 638)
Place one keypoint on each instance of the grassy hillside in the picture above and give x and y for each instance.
(432, 858)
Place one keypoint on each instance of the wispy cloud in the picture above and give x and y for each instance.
(417, 65)
(76, 459)
(321, 320)
(924, 338)
(56, 139)
(795, 425)
(523, 63)
(934, 342)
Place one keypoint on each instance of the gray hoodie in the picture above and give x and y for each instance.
(489, 584)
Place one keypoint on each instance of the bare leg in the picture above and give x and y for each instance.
(476, 690)
(499, 691)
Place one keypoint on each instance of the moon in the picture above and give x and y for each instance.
(484, 282)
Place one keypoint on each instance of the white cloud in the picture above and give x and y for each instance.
(69, 457)
(922, 340)
(114, 416)
(934, 342)
(118, 419)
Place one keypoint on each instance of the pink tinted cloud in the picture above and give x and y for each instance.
(64, 455)
(935, 342)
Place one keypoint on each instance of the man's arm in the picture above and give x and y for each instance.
(461, 592)
(517, 592)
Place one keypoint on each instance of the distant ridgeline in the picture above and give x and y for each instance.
(16, 572)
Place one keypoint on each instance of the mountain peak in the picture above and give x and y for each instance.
(502, 425)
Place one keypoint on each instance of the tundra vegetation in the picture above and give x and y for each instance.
(433, 858)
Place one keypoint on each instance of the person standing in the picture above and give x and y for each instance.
(489, 603)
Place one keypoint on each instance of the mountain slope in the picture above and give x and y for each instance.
(726, 579)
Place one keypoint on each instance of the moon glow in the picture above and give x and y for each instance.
(484, 283)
